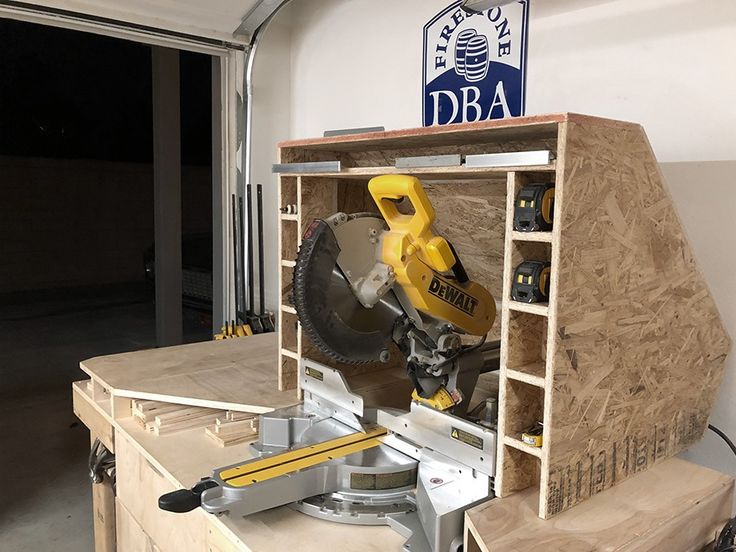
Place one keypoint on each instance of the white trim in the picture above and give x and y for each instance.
(114, 29)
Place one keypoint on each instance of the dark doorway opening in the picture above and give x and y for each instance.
(76, 231)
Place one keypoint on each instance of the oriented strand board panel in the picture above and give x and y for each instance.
(675, 507)
(638, 346)
(232, 374)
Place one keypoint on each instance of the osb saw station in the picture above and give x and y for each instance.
(487, 325)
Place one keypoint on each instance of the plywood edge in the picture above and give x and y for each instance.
(221, 538)
(92, 414)
(122, 428)
(204, 403)
(472, 541)
(459, 128)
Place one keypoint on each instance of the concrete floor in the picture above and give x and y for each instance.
(43, 449)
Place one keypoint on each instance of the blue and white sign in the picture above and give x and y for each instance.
(475, 64)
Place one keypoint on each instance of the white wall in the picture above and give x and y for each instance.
(271, 124)
(667, 64)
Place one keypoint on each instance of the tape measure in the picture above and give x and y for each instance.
(534, 208)
(533, 435)
(531, 282)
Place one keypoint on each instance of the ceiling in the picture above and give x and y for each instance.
(213, 19)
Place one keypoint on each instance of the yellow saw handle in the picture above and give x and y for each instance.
(420, 258)
(387, 192)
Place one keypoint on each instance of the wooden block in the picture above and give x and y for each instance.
(92, 415)
(234, 427)
(232, 416)
(230, 438)
(674, 507)
(181, 424)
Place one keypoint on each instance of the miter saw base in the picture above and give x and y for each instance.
(335, 460)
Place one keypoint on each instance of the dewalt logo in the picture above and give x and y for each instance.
(452, 295)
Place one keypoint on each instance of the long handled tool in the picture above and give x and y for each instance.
(253, 319)
(239, 327)
(236, 256)
(266, 320)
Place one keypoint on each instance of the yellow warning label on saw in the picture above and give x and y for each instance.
(314, 373)
(467, 438)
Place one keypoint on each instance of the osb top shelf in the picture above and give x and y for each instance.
(516, 128)
(431, 173)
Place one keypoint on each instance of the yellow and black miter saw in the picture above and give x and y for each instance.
(366, 285)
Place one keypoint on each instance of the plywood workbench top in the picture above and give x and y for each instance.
(232, 374)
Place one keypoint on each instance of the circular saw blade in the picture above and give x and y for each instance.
(330, 314)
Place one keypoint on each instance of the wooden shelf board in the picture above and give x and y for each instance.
(533, 374)
(541, 309)
(289, 218)
(440, 173)
(518, 444)
(544, 237)
(289, 353)
(287, 308)
(287, 263)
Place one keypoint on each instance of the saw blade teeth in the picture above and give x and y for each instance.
(300, 305)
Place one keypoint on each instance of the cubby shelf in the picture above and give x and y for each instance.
(518, 444)
(542, 237)
(289, 309)
(287, 263)
(533, 374)
(541, 309)
(294, 218)
(290, 354)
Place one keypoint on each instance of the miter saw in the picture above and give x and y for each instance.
(364, 286)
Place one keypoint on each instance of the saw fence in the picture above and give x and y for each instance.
(621, 366)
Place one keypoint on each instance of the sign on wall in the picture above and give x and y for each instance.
(475, 64)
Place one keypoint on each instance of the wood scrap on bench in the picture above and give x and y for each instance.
(233, 428)
(163, 418)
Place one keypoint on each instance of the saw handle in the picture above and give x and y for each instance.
(185, 500)
(390, 189)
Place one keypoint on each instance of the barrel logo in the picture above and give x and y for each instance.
(475, 64)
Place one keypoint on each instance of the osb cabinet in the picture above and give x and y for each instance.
(622, 365)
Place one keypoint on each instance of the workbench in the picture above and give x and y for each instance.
(240, 374)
